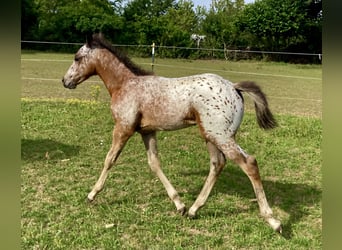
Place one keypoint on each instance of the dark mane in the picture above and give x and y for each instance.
(98, 40)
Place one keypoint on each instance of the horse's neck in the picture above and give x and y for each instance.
(112, 72)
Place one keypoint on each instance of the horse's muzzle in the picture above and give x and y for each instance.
(67, 84)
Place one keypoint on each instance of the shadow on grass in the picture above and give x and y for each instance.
(46, 149)
(292, 198)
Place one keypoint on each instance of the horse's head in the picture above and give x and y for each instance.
(98, 56)
(82, 67)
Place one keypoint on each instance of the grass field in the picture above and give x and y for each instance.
(66, 135)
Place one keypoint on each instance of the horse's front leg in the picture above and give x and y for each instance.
(120, 136)
(150, 142)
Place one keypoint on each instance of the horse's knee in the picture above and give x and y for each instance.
(236, 156)
(217, 158)
(221, 160)
(218, 168)
(252, 168)
(247, 162)
(251, 161)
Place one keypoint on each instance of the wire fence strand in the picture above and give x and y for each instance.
(189, 48)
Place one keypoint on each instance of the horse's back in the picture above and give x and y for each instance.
(207, 99)
(159, 103)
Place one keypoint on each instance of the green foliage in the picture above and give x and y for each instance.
(70, 20)
(288, 25)
(278, 26)
(96, 16)
(180, 22)
(274, 22)
(143, 19)
(29, 18)
(219, 22)
(95, 92)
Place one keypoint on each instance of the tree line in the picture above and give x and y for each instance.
(265, 25)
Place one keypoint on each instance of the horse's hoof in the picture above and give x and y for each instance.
(182, 211)
(275, 224)
(191, 215)
(192, 212)
(87, 200)
(279, 230)
(90, 199)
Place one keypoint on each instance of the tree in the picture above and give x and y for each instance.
(287, 25)
(97, 16)
(180, 23)
(70, 20)
(219, 22)
(29, 19)
(50, 18)
(275, 25)
(143, 22)
(313, 27)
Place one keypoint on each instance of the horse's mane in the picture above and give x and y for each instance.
(98, 40)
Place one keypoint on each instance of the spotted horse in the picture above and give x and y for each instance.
(145, 103)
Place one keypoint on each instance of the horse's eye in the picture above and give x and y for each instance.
(78, 58)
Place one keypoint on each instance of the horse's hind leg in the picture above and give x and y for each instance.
(150, 142)
(217, 162)
(120, 137)
(249, 165)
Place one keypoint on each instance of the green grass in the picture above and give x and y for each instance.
(63, 148)
(65, 140)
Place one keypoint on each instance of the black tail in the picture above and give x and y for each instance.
(264, 116)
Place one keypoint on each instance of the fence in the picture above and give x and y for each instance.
(186, 52)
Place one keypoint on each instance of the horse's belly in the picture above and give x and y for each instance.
(165, 119)
(164, 127)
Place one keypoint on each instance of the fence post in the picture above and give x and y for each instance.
(153, 45)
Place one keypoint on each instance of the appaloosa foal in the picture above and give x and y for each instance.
(145, 103)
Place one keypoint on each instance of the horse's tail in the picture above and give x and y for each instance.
(264, 116)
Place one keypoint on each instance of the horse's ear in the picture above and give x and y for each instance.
(89, 39)
(101, 35)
